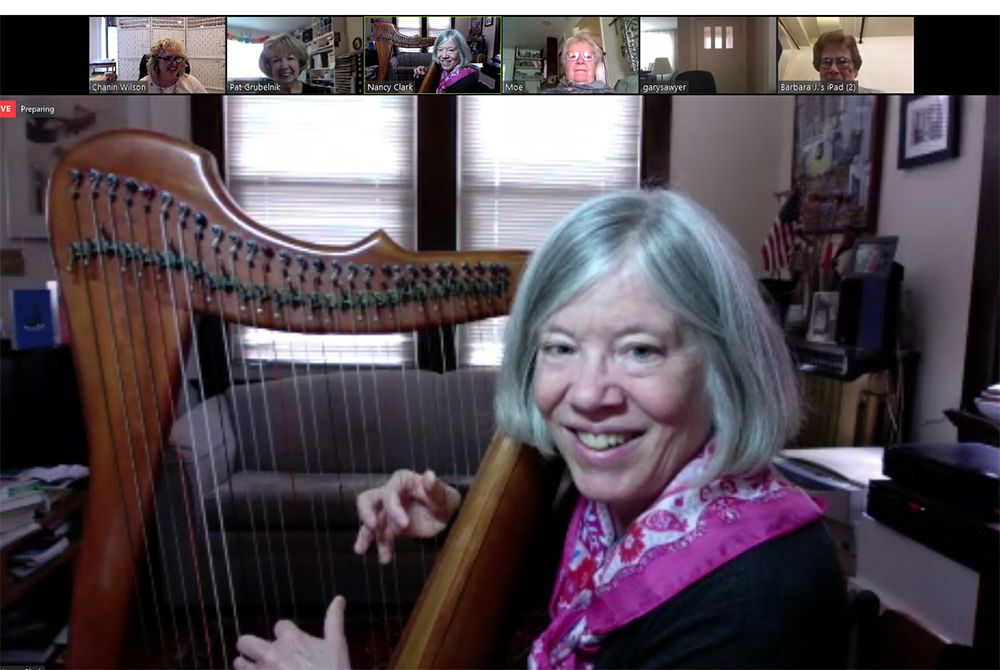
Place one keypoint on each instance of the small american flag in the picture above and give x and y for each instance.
(779, 245)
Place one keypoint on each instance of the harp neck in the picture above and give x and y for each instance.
(386, 37)
(161, 204)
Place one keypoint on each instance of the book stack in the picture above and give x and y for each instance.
(20, 503)
(33, 634)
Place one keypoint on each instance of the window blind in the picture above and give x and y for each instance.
(527, 163)
(327, 170)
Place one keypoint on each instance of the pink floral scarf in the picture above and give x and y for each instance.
(449, 78)
(604, 584)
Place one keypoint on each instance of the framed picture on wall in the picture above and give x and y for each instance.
(476, 25)
(34, 144)
(928, 129)
(488, 21)
(837, 161)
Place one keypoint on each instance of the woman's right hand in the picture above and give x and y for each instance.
(420, 71)
(408, 505)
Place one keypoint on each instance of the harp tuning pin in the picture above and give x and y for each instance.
(369, 270)
(491, 268)
(465, 268)
(218, 233)
(200, 219)
(148, 192)
(184, 209)
(352, 270)
(319, 264)
(166, 199)
(251, 251)
(131, 185)
(267, 251)
(286, 258)
(412, 270)
(95, 176)
(113, 181)
(75, 177)
(479, 268)
(335, 269)
(425, 269)
(386, 270)
(451, 269)
(302, 261)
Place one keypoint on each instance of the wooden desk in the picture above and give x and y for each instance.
(11, 590)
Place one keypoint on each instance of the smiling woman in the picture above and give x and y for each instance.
(639, 351)
(283, 59)
(167, 66)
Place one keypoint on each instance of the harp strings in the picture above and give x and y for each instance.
(147, 347)
(190, 404)
(154, 280)
(75, 195)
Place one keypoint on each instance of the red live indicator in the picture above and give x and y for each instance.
(7, 109)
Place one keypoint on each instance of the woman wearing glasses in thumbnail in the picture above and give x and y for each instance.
(282, 59)
(452, 54)
(836, 58)
(581, 57)
(166, 66)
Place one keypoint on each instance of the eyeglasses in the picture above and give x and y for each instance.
(841, 62)
(586, 56)
(172, 59)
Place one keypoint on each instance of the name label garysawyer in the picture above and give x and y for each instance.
(664, 88)
(836, 87)
(118, 87)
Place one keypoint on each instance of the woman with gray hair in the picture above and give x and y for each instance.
(581, 57)
(452, 55)
(640, 351)
(166, 66)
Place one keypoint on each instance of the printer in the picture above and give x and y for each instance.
(839, 477)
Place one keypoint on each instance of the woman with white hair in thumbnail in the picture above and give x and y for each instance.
(452, 54)
(640, 351)
(166, 66)
(581, 57)
(283, 58)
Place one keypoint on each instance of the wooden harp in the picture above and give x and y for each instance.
(386, 37)
(146, 238)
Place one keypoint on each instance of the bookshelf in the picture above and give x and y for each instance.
(71, 505)
(528, 68)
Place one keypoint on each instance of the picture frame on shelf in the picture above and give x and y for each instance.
(928, 129)
(823, 318)
(873, 256)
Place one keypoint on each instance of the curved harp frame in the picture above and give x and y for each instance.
(386, 36)
(144, 235)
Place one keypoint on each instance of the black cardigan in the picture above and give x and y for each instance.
(782, 604)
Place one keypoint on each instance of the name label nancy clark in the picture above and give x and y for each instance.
(391, 87)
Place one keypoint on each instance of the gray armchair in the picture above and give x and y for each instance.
(402, 65)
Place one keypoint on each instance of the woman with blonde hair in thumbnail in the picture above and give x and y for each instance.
(282, 59)
(836, 58)
(452, 54)
(581, 56)
(166, 66)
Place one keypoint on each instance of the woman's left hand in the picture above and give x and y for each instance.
(293, 648)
